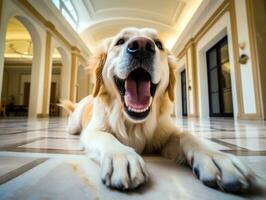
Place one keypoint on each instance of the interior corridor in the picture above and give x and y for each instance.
(220, 93)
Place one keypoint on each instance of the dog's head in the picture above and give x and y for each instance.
(135, 67)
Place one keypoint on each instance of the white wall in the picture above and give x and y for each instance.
(248, 93)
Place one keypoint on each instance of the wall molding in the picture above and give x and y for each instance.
(218, 13)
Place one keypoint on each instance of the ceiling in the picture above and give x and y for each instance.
(99, 19)
(104, 18)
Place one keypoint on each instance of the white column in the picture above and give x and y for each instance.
(3, 28)
(46, 86)
(74, 74)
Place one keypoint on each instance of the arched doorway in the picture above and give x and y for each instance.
(18, 57)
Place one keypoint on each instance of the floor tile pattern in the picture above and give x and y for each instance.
(39, 160)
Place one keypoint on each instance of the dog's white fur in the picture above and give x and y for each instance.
(111, 137)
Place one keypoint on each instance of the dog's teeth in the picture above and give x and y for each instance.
(137, 110)
(126, 102)
(150, 102)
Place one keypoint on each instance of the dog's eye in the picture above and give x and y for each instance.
(120, 42)
(159, 44)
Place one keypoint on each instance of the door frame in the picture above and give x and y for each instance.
(219, 71)
(183, 73)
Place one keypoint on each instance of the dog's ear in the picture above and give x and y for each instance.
(172, 76)
(96, 64)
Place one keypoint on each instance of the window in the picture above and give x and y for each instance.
(68, 11)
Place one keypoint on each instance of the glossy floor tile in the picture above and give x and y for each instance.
(39, 160)
(251, 143)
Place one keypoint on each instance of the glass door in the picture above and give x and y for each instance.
(219, 80)
(184, 93)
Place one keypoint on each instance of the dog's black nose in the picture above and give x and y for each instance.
(141, 45)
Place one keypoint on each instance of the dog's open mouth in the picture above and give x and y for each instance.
(136, 91)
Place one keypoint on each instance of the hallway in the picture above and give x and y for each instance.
(38, 158)
(216, 82)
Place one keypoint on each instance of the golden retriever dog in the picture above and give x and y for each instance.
(129, 113)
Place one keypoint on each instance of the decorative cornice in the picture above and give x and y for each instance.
(49, 25)
(207, 25)
(75, 49)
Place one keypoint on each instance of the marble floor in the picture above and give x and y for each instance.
(39, 160)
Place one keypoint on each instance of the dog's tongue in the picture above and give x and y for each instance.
(137, 93)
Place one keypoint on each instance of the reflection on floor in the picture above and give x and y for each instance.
(39, 160)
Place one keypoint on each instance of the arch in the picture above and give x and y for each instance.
(65, 72)
(10, 11)
(36, 56)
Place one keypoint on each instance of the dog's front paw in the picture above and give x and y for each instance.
(223, 171)
(123, 171)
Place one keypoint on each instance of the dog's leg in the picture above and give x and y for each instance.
(121, 167)
(214, 168)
